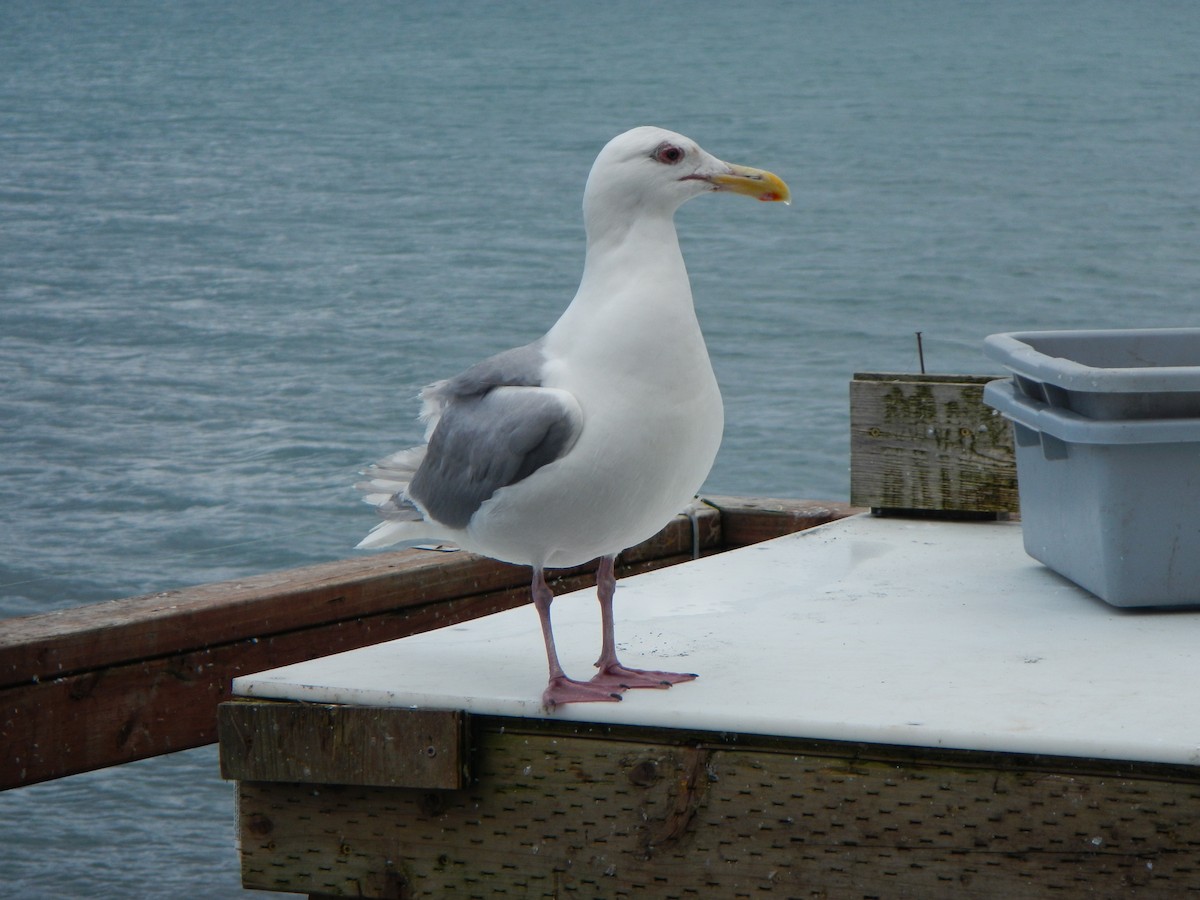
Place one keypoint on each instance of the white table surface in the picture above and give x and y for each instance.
(932, 634)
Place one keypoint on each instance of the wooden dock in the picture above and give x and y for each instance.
(111, 683)
(654, 798)
(348, 794)
(555, 810)
(890, 708)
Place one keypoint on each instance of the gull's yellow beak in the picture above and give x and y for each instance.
(753, 183)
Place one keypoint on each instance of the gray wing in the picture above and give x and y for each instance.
(489, 427)
(487, 439)
(519, 367)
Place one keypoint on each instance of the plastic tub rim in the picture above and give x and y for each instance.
(1013, 350)
(1072, 428)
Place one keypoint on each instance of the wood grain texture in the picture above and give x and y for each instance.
(116, 682)
(746, 521)
(643, 814)
(58, 644)
(315, 743)
(128, 712)
(929, 443)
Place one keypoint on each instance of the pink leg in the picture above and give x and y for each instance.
(562, 689)
(612, 672)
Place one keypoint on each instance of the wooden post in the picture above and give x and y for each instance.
(927, 444)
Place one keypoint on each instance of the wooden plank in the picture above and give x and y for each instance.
(746, 521)
(128, 712)
(58, 644)
(593, 814)
(124, 713)
(121, 681)
(314, 743)
(929, 443)
(73, 640)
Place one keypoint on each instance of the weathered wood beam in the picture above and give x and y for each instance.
(131, 711)
(143, 677)
(86, 638)
(929, 444)
(57, 644)
(746, 521)
(640, 812)
(323, 743)
(115, 682)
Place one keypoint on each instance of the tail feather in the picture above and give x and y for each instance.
(386, 488)
(399, 467)
(387, 481)
(390, 532)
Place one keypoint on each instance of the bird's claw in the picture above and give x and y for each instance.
(562, 690)
(617, 675)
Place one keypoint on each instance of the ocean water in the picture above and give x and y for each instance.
(236, 239)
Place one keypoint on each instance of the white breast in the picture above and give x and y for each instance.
(652, 422)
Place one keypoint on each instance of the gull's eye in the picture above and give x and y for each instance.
(668, 154)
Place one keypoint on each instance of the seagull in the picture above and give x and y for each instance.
(593, 437)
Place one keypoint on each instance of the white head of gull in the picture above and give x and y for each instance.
(590, 439)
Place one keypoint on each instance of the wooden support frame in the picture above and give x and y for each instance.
(352, 745)
(555, 809)
(116, 682)
(927, 444)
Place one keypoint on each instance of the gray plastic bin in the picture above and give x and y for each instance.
(1146, 373)
(1112, 505)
